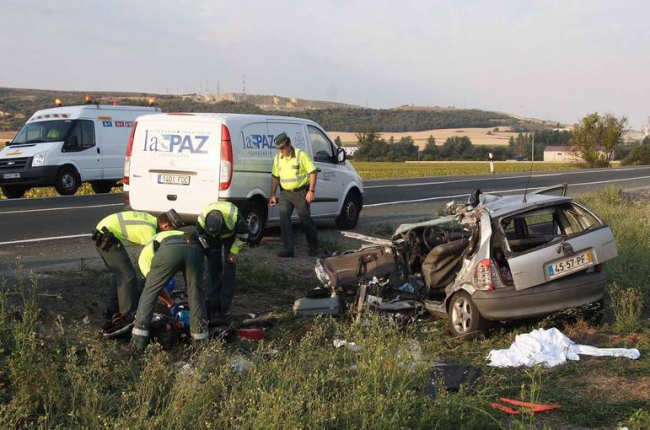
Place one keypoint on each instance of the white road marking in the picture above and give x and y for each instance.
(541, 175)
(430, 199)
(43, 239)
(60, 209)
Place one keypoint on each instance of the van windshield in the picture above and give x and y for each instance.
(43, 131)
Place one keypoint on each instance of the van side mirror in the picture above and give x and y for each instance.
(8, 143)
(340, 156)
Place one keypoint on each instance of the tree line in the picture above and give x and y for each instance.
(372, 147)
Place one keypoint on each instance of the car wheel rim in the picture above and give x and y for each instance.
(253, 223)
(461, 315)
(352, 211)
(68, 181)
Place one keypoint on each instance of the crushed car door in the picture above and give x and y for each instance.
(548, 243)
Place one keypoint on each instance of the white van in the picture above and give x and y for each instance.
(66, 146)
(186, 160)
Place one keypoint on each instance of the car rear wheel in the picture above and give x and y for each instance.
(255, 218)
(14, 192)
(67, 181)
(350, 211)
(464, 317)
(102, 187)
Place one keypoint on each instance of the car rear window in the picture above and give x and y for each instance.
(539, 227)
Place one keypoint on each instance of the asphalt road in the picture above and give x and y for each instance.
(49, 231)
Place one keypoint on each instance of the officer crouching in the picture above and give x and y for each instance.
(168, 253)
(112, 236)
(226, 232)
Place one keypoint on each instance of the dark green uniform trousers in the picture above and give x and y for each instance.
(173, 255)
(221, 284)
(289, 200)
(123, 290)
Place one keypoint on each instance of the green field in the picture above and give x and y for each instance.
(371, 170)
(58, 373)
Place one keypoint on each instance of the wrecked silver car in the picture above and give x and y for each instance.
(497, 258)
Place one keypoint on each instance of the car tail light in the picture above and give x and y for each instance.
(484, 275)
(127, 160)
(598, 267)
(226, 159)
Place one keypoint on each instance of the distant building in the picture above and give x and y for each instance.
(564, 154)
(560, 154)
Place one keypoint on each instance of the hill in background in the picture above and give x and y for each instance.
(16, 105)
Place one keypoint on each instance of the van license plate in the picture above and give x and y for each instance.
(174, 179)
(11, 175)
(567, 265)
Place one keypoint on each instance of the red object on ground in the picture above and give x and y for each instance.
(526, 407)
(251, 333)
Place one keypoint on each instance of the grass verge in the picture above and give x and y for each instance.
(54, 375)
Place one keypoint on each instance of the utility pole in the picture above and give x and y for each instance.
(532, 151)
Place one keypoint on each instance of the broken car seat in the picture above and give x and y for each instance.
(443, 262)
(350, 269)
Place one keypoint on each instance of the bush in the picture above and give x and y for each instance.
(627, 305)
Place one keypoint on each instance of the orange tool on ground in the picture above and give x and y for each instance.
(525, 406)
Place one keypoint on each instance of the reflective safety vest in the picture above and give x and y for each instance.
(131, 227)
(293, 171)
(146, 256)
(232, 223)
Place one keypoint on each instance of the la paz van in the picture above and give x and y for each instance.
(184, 161)
(65, 146)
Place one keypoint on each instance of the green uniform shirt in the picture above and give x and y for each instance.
(146, 256)
(293, 171)
(233, 224)
(131, 227)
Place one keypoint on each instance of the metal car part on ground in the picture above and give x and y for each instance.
(497, 258)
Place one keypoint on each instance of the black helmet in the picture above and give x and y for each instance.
(213, 223)
(281, 140)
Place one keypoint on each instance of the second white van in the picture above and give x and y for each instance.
(185, 161)
(65, 146)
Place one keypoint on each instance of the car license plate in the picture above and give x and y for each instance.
(567, 265)
(11, 175)
(174, 179)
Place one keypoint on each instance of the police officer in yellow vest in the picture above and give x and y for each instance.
(170, 252)
(294, 171)
(112, 235)
(226, 233)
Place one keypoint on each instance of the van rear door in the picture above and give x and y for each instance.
(175, 163)
(551, 242)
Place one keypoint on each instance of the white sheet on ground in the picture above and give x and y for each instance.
(549, 348)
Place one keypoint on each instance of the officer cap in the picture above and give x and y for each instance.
(281, 140)
(213, 223)
(172, 217)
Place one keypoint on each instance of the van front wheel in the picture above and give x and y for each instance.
(67, 181)
(255, 218)
(14, 192)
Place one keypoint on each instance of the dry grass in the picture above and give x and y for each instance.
(5, 136)
(479, 136)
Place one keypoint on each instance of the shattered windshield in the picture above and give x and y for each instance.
(43, 131)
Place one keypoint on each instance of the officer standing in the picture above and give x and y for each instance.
(226, 233)
(294, 171)
(168, 253)
(112, 235)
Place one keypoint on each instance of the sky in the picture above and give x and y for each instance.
(554, 59)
